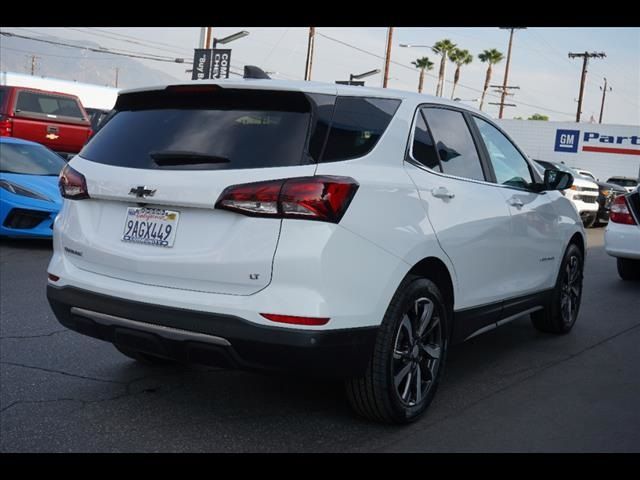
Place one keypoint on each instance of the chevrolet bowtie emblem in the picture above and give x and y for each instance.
(52, 136)
(142, 192)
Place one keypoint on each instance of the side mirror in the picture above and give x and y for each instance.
(557, 180)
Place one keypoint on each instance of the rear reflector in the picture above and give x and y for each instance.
(619, 212)
(323, 198)
(72, 184)
(295, 320)
(52, 277)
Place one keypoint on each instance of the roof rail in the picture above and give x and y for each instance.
(251, 71)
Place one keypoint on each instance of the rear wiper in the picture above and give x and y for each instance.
(169, 158)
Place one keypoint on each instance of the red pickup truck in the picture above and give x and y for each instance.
(56, 120)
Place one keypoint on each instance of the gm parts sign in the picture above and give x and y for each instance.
(568, 141)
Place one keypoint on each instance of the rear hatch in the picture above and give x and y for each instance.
(55, 120)
(176, 150)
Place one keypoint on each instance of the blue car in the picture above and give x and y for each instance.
(29, 194)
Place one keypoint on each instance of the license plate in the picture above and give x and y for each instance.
(150, 226)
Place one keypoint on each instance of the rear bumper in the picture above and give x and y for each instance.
(622, 240)
(212, 339)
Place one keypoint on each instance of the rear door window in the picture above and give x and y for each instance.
(357, 125)
(48, 105)
(223, 129)
(454, 143)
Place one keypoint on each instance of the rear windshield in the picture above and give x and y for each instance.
(46, 104)
(623, 182)
(210, 130)
(2, 90)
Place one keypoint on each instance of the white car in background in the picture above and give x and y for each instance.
(586, 173)
(622, 236)
(583, 193)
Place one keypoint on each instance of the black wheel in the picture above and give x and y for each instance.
(145, 358)
(628, 269)
(561, 313)
(589, 222)
(409, 356)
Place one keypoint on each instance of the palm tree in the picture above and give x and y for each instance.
(492, 57)
(423, 64)
(459, 57)
(443, 47)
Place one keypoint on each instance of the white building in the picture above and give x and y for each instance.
(91, 96)
(605, 150)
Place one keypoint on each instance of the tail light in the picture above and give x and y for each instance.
(72, 184)
(620, 213)
(6, 126)
(323, 198)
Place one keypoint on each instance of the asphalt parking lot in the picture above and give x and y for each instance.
(512, 389)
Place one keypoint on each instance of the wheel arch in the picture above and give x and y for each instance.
(437, 271)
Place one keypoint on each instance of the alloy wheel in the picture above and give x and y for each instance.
(417, 351)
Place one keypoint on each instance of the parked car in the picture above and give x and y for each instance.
(583, 193)
(317, 228)
(96, 116)
(629, 183)
(586, 173)
(606, 195)
(56, 120)
(622, 235)
(29, 194)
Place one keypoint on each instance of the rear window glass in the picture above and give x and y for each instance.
(41, 103)
(624, 182)
(358, 123)
(204, 131)
(2, 90)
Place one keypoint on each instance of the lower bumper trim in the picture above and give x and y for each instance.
(165, 332)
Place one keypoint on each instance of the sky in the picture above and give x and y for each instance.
(548, 79)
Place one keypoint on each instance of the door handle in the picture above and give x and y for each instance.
(515, 202)
(442, 192)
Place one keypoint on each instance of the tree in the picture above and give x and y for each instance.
(538, 116)
(491, 57)
(442, 48)
(423, 64)
(459, 57)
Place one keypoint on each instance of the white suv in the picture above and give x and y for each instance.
(296, 226)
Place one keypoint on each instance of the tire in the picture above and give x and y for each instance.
(375, 395)
(628, 269)
(589, 222)
(144, 358)
(560, 315)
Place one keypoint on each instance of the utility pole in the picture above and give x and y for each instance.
(585, 56)
(387, 57)
(310, 44)
(506, 68)
(34, 64)
(604, 93)
(207, 38)
(117, 72)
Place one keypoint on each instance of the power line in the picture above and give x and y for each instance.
(98, 50)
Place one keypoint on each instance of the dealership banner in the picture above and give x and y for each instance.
(211, 63)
